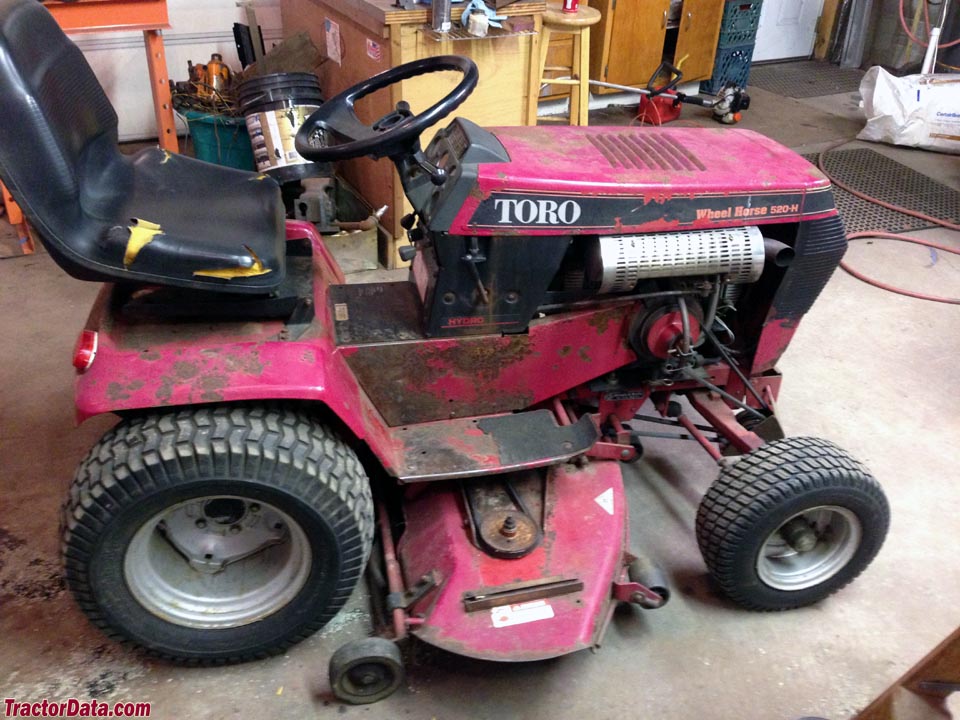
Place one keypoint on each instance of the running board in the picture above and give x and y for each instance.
(468, 447)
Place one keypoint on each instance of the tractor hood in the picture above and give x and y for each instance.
(600, 180)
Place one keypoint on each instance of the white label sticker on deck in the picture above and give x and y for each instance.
(605, 500)
(507, 615)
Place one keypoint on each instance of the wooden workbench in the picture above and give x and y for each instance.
(374, 36)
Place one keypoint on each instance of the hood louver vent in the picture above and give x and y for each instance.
(645, 150)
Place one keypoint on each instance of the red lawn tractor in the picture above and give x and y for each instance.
(572, 290)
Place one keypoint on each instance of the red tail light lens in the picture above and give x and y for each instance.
(86, 350)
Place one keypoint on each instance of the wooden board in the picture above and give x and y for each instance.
(375, 14)
(828, 18)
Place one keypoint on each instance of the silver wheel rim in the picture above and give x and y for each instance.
(217, 562)
(837, 532)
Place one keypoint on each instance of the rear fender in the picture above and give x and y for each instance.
(149, 366)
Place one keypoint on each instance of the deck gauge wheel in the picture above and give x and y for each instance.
(366, 671)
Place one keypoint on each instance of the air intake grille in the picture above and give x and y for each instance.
(646, 149)
(627, 259)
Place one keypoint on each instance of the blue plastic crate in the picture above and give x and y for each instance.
(731, 66)
(740, 22)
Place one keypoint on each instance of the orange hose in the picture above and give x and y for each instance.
(892, 288)
(921, 43)
(891, 236)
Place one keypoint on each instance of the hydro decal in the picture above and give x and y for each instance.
(502, 210)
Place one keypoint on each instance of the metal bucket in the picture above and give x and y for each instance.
(275, 106)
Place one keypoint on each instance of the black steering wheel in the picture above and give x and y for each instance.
(345, 136)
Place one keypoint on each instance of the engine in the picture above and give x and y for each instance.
(481, 285)
(698, 234)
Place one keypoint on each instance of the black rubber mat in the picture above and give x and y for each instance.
(805, 78)
(877, 175)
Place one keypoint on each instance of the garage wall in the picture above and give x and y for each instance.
(885, 41)
(198, 28)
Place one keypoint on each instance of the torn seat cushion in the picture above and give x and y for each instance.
(202, 224)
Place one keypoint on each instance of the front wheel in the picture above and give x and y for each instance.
(791, 523)
(217, 534)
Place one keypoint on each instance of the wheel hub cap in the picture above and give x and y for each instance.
(217, 562)
(809, 548)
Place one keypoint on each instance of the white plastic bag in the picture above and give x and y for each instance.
(920, 111)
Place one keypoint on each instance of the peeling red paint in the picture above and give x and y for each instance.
(581, 540)
(150, 365)
(560, 160)
(479, 375)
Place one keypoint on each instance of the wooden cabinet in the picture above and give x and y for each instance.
(697, 34)
(634, 36)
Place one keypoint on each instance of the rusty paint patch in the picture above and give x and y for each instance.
(211, 385)
(601, 321)
(185, 370)
(477, 375)
(248, 363)
(411, 382)
(116, 391)
(165, 391)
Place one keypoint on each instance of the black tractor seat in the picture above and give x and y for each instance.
(154, 217)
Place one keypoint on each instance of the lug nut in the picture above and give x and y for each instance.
(201, 523)
(234, 529)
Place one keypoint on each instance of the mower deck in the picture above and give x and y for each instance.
(495, 609)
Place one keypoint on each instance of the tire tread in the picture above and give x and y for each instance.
(280, 446)
(760, 482)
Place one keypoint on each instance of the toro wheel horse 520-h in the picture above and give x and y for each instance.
(562, 278)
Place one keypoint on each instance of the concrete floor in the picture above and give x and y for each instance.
(870, 370)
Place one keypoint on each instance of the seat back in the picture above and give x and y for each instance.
(58, 135)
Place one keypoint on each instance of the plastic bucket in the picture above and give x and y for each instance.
(275, 106)
(220, 139)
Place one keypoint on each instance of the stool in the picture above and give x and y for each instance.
(576, 24)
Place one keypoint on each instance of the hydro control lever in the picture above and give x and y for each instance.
(473, 257)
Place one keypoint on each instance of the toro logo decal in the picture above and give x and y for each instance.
(536, 212)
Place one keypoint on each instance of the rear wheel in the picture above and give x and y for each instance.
(791, 523)
(218, 534)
